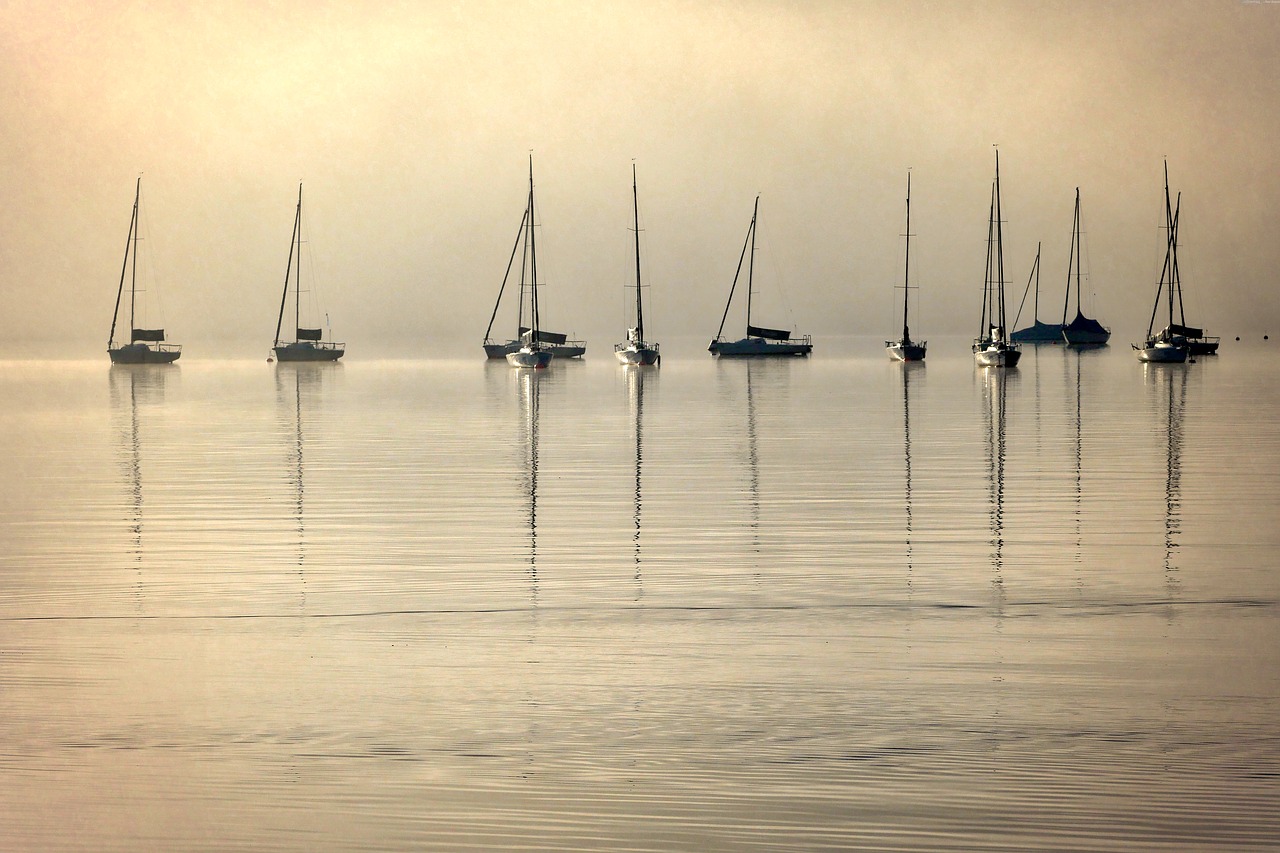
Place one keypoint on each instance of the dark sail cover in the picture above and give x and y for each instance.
(308, 334)
(156, 335)
(551, 337)
(1084, 324)
(1186, 331)
(770, 334)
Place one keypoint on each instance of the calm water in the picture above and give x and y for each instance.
(823, 604)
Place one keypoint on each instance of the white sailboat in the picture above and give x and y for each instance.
(145, 346)
(636, 350)
(760, 341)
(557, 344)
(905, 349)
(308, 344)
(993, 348)
(1176, 341)
(534, 350)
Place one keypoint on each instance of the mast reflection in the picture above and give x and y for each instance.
(635, 394)
(907, 369)
(1172, 380)
(132, 387)
(529, 392)
(298, 386)
(995, 383)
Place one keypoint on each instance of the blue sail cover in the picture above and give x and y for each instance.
(551, 337)
(156, 335)
(768, 334)
(309, 334)
(1083, 324)
(1185, 331)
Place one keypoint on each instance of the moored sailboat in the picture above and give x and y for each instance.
(534, 350)
(1082, 331)
(759, 340)
(556, 344)
(636, 350)
(905, 349)
(308, 344)
(992, 347)
(146, 346)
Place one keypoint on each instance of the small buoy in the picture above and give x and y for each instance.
(1237, 337)
(270, 359)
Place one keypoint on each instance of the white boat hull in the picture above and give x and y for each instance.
(633, 354)
(536, 359)
(571, 349)
(1161, 352)
(997, 356)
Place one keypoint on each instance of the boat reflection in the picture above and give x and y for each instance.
(1170, 382)
(908, 368)
(528, 382)
(635, 394)
(995, 388)
(131, 388)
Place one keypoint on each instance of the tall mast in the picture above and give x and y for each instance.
(128, 243)
(297, 270)
(999, 248)
(736, 273)
(1174, 279)
(133, 273)
(1073, 261)
(751, 262)
(533, 255)
(635, 204)
(906, 275)
(984, 329)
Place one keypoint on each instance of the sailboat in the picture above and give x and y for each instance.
(1037, 332)
(759, 340)
(636, 350)
(534, 349)
(554, 343)
(146, 346)
(992, 348)
(906, 349)
(308, 344)
(1082, 331)
(1175, 341)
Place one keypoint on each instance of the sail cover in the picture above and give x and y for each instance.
(1084, 324)
(551, 337)
(1185, 331)
(156, 335)
(770, 334)
(308, 334)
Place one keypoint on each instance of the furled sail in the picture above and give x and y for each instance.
(156, 335)
(309, 334)
(770, 334)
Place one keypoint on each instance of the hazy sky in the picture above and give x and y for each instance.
(410, 124)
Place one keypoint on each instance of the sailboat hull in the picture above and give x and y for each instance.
(529, 358)
(994, 356)
(1039, 333)
(570, 349)
(306, 351)
(905, 351)
(144, 354)
(638, 355)
(1160, 353)
(760, 347)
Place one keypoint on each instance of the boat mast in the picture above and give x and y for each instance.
(128, 243)
(293, 243)
(999, 249)
(635, 204)
(906, 275)
(133, 272)
(297, 271)
(1073, 261)
(533, 258)
(1175, 282)
(751, 262)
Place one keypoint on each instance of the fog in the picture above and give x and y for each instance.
(410, 126)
